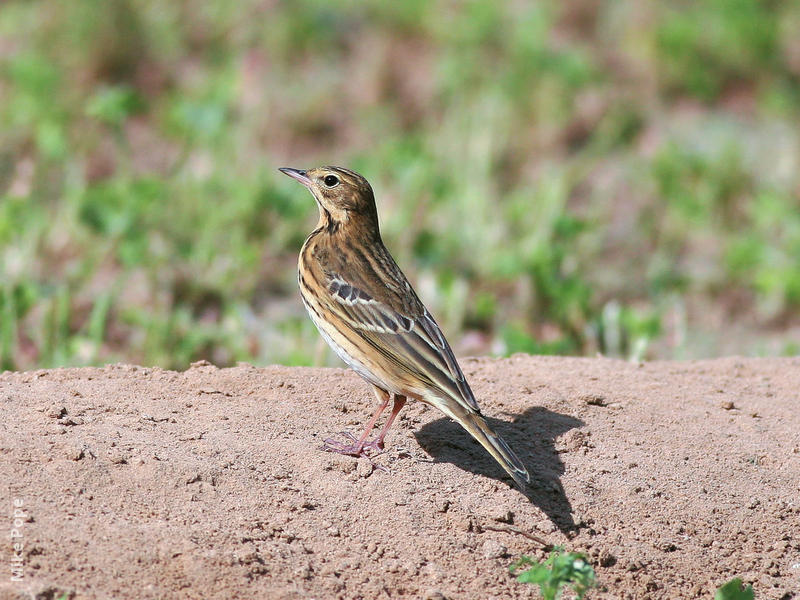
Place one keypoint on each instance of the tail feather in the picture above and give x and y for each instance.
(479, 429)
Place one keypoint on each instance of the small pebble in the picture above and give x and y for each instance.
(56, 411)
(345, 464)
(364, 468)
(546, 526)
(594, 400)
(118, 457)
(200, 363)
(74, 452)
(606, 559)
(493, 549)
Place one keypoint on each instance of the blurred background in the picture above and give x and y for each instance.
(578, 177)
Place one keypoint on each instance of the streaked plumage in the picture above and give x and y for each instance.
(367, 311)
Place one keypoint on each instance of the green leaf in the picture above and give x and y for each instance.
(733, 590)
(558, 571)
(113, 105)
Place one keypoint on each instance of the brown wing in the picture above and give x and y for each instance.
(408, 336)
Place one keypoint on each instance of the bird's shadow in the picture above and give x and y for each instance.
(532, 435)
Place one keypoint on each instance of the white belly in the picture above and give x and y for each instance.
(351, 362)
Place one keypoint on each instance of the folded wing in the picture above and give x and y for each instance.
(414, 343)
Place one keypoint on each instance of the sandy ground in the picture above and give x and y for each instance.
(142, 483)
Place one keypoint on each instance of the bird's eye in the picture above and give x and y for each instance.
(331, 180)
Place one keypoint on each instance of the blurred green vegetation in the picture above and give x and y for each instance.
(581, 177)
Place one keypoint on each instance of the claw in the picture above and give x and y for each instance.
(355, 448)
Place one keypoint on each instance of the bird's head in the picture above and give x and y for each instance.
(344, 197)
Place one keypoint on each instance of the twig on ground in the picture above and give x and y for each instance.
(511, 529)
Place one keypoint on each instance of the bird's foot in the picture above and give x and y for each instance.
(353, 447)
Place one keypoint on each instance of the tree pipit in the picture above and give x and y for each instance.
(367, 311)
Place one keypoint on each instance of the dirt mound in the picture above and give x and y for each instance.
(142, 483)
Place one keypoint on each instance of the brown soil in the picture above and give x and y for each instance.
(142, 483)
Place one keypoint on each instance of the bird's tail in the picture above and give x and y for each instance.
(478, 428)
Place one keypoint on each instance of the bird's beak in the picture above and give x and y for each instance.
(298, 174)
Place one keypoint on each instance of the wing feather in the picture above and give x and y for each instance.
(415, 345)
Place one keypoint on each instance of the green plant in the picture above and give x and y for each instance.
(535, 164)
(733, 590)
(561, 569)
(705, 47)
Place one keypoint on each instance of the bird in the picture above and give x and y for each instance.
(367, 311)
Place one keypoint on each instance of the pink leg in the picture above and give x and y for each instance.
(356, 447)
(399, 402)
